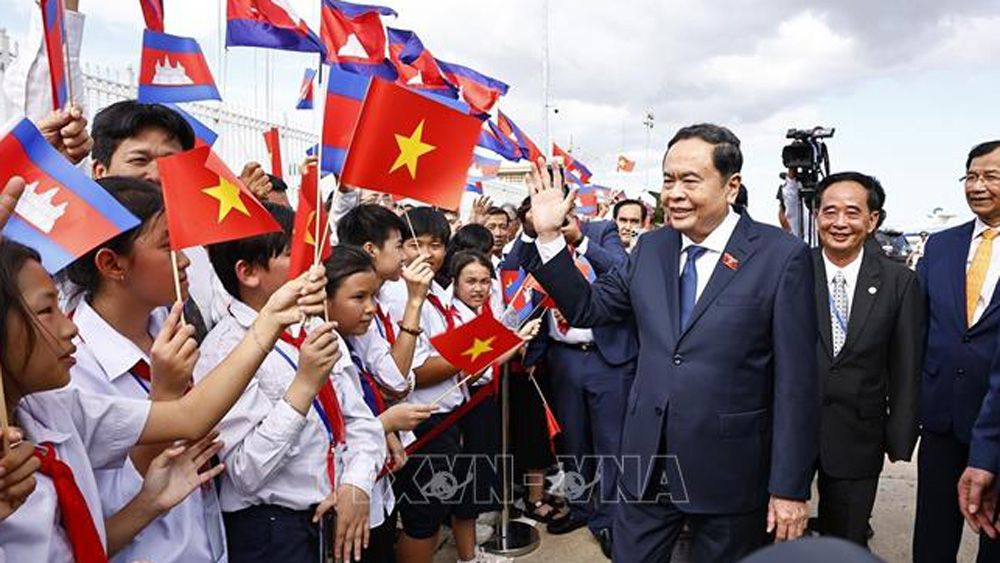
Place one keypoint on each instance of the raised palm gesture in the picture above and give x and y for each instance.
(8, 198)
(549, 207)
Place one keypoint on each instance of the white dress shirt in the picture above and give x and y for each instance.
(850, 273)
(273, 454)
(992, 274)
(434, 322)
(376, 352)
(27, 90)
(714, 245)
(88, 432)
(192, 530)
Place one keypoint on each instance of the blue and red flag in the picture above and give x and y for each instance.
(493, 139)
(474, 187)
(478, 90)
(512, 132)
(345, 95)
(270, 24)
(306, 90)
(355, 39)
(586, 199)
(202, 134)
(174, 69)
(572, 163)
(483, 168)
(152, 12)
(417, 68)
(54, 22)
(63, 213)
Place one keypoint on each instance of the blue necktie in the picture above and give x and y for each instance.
(689, 283)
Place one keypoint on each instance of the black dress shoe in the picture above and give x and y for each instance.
(565, 525)
(604, 538)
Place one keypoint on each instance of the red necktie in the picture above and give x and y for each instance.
(386, 324)
(74, 514)
(449, 314)
(142, 371)
(329, 406)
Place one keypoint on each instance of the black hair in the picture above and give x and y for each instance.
(142, 199)
(368, 223)
(13, 257)
(726, 156)
(876, 195)
(498, 211)
(742, 199)
(257, 250)
(624, 202)
(125, 119)
(523, 209)
(463, 258)
(469, 237)
(982, 149)
(430, 221)
(277, 184)
(345, 261)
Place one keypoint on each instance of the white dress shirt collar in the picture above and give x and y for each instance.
(979, 227)
(243, 313)
(850, 272)
(116, 354)
(717, 240)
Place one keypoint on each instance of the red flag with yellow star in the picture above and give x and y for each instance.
(205, 203)
(412, 146)
(304, 231)
(475, 344)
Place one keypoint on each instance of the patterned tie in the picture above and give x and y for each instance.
(689, 283)
(838, 312)
(976, 275)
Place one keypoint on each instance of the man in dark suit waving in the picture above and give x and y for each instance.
(720, 427)
(871, 325)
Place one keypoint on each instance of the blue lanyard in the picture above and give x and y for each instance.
(836, 314)
(319, 408)
(367, 392)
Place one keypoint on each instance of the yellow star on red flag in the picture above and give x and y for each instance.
(410, 150)
(228, 195)
(479, 347)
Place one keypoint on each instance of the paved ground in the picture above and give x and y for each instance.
(892, 521)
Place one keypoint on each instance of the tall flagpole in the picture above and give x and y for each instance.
(547, 147)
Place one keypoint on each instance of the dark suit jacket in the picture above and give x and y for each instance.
(957, 358)
(871, 389)
(732, 400)
(616, 342)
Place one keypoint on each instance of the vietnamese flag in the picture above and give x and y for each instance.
(475, 344)
(409, 145)
(304, 231)
(272, 140)
(205, 203)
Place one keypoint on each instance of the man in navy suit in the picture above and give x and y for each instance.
(591, 372)
(721, 422)
(959, 272)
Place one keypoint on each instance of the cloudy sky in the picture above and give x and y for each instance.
(909, 85)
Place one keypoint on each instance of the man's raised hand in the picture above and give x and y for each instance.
(549, 207)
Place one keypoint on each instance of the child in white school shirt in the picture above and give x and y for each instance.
(126, 284)
(84, 432)
(282, 477)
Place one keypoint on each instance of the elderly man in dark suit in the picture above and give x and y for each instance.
(721, 422)
(871, 326)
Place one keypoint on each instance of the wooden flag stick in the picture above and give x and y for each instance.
(177, 282)
(3, 417)
(409, 224)
(539, 389)
(464, 380)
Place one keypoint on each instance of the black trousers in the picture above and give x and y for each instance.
(382, 542)
(268, 533)
(938, 529)
(845, 506)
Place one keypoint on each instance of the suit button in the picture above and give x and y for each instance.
(966, 339)
(678, 360)
(658, 411)
(960, 372)
(834, 369)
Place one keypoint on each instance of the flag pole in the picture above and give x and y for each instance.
(177, 281)
(4, 423)
(65, 49)
(464, 380)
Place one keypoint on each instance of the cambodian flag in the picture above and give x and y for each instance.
(478, 90)
(174, 70)
(152, 12)
(493, 139)
(474, 187)
(345, 95)
(355, 39)
(306, 90)
(202, 134)
(483, 168)
(517, 296)
(63, 213)
(418, 70)
(586, 200)
(511, 131)
(271, 24)
(572, 163)
(54, 20)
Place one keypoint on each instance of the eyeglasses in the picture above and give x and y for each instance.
(989, 177)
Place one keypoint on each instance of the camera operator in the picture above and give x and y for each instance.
(789, 204)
